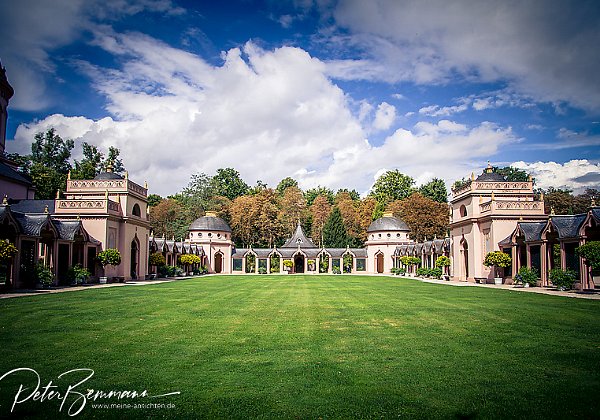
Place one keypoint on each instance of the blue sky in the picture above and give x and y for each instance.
(329, 92)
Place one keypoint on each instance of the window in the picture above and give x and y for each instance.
(361, 264)
(389, 235)
(463, 211)
(209, 234)
(237, 264)
(218, 235)
(136, 210)
(397, 235)
(200, 235)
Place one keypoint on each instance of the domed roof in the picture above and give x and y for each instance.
(108, 175)
(490, 175)
(210, 222)
(387, 223)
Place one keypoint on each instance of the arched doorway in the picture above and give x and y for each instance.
(299, 264)
(135, 251)
(218, 262)
(379, 262)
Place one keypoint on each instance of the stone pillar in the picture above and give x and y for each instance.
(268, 265)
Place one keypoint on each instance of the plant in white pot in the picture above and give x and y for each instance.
(109, 256)
(497, 259)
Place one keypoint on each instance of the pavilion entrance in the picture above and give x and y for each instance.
(299, 264)
(218, 262)
(379, 263)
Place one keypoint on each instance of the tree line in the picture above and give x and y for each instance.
(261, 216)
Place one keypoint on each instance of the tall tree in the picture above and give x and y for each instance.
(285, 183)
(154, 199)
(313, 193)
(167, 219)
(90, 165)
(353, 194)
(228, 183)
(293, 209)
(513, 174)
(334, 231)
(582, 202)
(320, 211)
(49, 163)
(112, 159)
(267, 225)
(558, 200)
(436, 190)
(425, 217)
(243, 213)
(392, 185)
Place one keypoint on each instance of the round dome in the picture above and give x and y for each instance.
(210, 223)
(388, 223)
(108, 175)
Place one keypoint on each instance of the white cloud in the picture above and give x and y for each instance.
(445, 111)
(268, 113)
(574, 174)
(385, 116)
(546, 49)
(34, 29)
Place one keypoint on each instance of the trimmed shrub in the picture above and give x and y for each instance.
(157, 259)
(563, 279)
(497, 259)
(44, 275)
(109, 256)
(78, 275)
(527, 276)
(590, 252)
(7, 250)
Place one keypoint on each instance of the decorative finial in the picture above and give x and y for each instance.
(5, 200)
(489, 168)
(126, 174)
(529, 178)
(481, 199)
(146, 184)
(106, 194)
(46, 208)
(521, 218)
(493, 196)
(109, 167)
(593, 202)
(78, 217)
(472, 176)
(57, 194)
(542, 196)
(69, 176)
(552, 213)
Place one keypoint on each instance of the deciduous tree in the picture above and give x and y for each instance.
(320, 211)
(436, 190)
(425, 217)
(392, 185)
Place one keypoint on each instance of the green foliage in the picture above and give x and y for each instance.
(336, 271)
(78, 275)
(378, 211)
(460, 183)
(262, 270)
(157, 259)
(334, 231)
(435, 190)
(392, 185)
(275, 260)
(113, 160)
(313, 193)
(43, 274)
(409, 260)
(154, 199)
(288, 264)
(590, 252)
(347, 263)
(7, 250)
(442, 261)
(398, 271)
(527, 276)
(563, 279)
(228, 183)
(324, 264)
(90, 165)
(354, 195)
(513, 174)
(189, 259)
(110, 256)
(49, 163)
(250, 263)
(435, 272)
(284, 184)
(497, 259)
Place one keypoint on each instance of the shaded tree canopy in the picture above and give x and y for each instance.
(228, 183)
(312, 194)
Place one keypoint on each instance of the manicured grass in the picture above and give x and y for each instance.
(311, 347)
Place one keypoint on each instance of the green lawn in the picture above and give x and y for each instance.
(309, 347)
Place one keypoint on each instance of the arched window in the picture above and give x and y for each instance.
(136, 210)
(463, 211)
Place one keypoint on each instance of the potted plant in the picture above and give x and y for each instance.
(442, 262)
(497, 259)
(590, 252)
(157, 260)
(563, 279)
(78, 275)
(189, 260)
(311, 265)
(7, 251)
(527, 277)
(110, 256)
(44, 275)
(287, 265)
